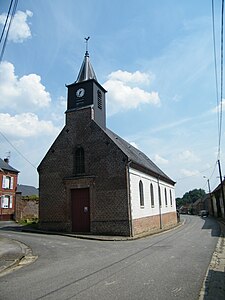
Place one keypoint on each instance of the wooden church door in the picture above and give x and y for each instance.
(80, 210)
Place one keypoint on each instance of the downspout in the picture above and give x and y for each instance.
(129, 197)
(160, 198)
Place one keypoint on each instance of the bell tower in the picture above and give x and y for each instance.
(87, 92)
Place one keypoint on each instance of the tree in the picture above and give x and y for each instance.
(190, 197)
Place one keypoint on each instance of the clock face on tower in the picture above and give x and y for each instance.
(80, 93)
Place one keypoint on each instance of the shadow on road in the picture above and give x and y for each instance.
(211, 223)
(214, 288)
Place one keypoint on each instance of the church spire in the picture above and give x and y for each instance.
(86, 70)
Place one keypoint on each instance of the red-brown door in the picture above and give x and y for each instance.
(80, 210)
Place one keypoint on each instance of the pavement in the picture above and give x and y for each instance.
(213, 287)
(14, 254)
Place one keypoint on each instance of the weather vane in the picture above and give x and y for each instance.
(86, 41)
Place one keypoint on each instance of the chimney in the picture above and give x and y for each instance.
(6, 160)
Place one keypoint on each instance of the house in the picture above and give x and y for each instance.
(8, 186)
(218, 205)
(201, 204)
(27, 190)
(91, 180)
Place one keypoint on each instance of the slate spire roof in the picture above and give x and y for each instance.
(86, 70)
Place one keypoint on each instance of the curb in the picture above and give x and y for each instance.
(19, 257)
(103, 237)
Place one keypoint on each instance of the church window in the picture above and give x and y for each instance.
(79, 161)
(171, 199)
(165, 197)
(141, 193)
(152, 194)
(99, 99)
(160, 201)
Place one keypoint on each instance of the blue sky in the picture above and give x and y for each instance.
(155, 59)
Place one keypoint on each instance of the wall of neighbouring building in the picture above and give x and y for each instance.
(26, 208)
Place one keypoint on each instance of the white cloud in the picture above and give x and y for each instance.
(188, 156)
(217, 108)
(21, 94)
(19, 30)
(123, 96)
(170, 125)
(136, 77)
(26, 125)
(160, 160)
(134, 145)
(189, 173)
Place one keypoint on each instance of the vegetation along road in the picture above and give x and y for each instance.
(171, 265)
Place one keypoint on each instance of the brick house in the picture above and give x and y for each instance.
(91, 180)
(8, 185)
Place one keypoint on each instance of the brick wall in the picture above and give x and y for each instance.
(152, 224)
(104, 163)
(26, 209)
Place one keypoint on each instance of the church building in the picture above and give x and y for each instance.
(92, 181)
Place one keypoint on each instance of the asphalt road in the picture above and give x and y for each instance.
(166, 266)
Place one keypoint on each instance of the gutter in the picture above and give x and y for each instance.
(129, 197)
(160, 212)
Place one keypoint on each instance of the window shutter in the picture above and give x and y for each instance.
(3, 181)
(10, 202)
(11, 182)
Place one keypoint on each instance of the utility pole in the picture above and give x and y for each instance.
(210, 195)
(221, 182)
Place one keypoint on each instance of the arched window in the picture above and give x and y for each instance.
(152, 194)
(79, 166)
(165, 197)
(171, 199)
(141, 192)
(160, 201)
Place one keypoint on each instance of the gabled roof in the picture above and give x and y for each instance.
(136, 156)
(218, 187)
(27, 190)
(6, 167)
(86, 70)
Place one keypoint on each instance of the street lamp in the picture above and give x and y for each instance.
(210, 195)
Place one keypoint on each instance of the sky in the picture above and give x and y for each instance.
(156, 60)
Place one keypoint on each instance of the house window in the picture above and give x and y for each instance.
(79, 161)
(165, 197)
(152, 194)
(99, 99)
(171, 199)
(7, 182)
(141, 193)
(160, 201)
(6, 201)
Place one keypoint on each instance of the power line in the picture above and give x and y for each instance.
(215, 63)
(18, 151)
(9, 25)
(221, 83)
(6, 21)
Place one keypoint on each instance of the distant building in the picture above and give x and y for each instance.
(91, 180)
(27, 190)
(8, 186)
